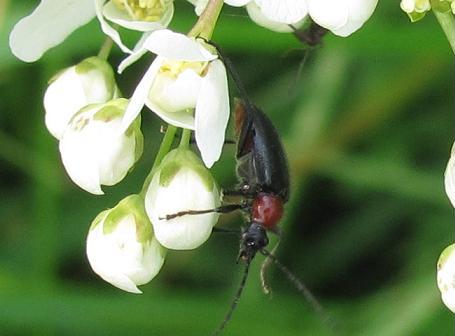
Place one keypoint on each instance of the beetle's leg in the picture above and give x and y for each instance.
(244, 190)
(235, 192)
(226, 141)
(163, 129)
(223, 230)
(265, 267)
(222, 209)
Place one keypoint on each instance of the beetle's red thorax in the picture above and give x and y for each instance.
(267, 209)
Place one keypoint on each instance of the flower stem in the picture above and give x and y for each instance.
(165, 147)
(185, 139)
(206, 24)
(447, 22)
(106, 48)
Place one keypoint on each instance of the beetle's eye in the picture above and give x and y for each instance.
(250, 241)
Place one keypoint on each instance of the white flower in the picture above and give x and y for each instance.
(94, 151)
(446, 276)
(54, 20)
(449, 177)
(341, 17)
(121, 247)
(141, 15)
(91, 81)
(186, 86)
(182, 183)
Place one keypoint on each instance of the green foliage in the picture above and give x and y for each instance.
(368, 127)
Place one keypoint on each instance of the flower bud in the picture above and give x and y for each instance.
(121, 247)
(446, 276)
(449, 177)
(415, 9)
(89, 82)
(94, 151)
(181, 183)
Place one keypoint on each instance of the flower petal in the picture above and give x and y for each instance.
(102, 257)
(259, 18)
(329, 14)
(237, 3)
(140, 94)
(341, 17)
(107, 29)
(449, 178)
(115, 153)
(172, 94)
(49, 24)
(174, 100)
(79, 164)
(199, 5)
(176, 46)
(359, 12)
(138, 51)
(212, 113)
(185, 232)
(114, 14)
(283, 11)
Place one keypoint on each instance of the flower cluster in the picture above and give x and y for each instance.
(342, 17)
(416, 9)
(127, 244)
(99, 131)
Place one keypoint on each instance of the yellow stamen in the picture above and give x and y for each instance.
(174, 68)
(143, 10)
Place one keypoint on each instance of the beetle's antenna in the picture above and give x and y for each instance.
(302, 63)
(235, 301)
(234, 74)
(304, 290)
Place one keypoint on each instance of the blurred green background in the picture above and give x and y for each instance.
(367, 124)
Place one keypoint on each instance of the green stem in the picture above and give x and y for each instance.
(165, 147)
(185, 139)
(106, 48)
(447, 22)
(206, 24)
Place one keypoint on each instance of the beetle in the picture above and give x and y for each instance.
(263, 173)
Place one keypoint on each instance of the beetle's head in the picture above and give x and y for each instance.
(253, 239)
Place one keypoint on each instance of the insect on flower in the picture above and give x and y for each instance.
(263, 174)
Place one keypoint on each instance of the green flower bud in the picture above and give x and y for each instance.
(446, 276)
(416, 9)
(94, 150)
(121, 246)
(182, 182)
(89, 82)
